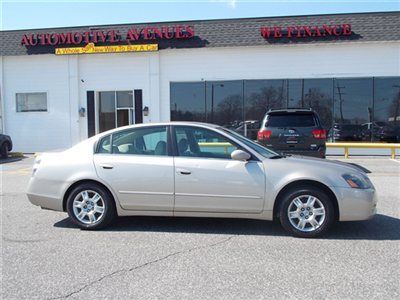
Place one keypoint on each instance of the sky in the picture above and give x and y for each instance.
(25, 14)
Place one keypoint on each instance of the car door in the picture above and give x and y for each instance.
(208, 180)
(136, 164)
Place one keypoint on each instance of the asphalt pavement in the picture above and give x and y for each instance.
(44, 256)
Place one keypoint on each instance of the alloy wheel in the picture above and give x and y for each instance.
(306, 213)
(88, 207)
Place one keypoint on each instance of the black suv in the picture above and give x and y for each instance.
(293, 131)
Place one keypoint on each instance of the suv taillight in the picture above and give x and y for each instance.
(263, 134)
(319, 134)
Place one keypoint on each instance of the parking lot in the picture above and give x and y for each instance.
(44, 256)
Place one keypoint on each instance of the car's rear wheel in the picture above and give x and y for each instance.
(306, 212)
(4, 150)
(90, 206)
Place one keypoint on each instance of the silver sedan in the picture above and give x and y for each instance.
(197, 170)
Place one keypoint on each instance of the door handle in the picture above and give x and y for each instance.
(183, 171)
(105, 166)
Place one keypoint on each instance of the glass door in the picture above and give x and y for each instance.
(115, 109)
(124, 116)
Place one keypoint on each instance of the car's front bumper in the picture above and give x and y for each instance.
(356, 204)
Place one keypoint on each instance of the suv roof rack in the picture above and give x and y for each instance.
(290, 109)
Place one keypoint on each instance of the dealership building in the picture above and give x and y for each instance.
(62, 85)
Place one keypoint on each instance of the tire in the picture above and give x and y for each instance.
(90, 206)
(315, 212)
(4, 150)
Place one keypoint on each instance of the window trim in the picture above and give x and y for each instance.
(33, 111)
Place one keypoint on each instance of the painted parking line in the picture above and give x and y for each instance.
(21, 171)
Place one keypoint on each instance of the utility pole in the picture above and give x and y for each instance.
(340, 93)
(213, 85)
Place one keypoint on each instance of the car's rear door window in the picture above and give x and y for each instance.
(141, 141)
(291, 120)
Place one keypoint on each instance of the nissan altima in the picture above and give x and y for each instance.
(197, 170)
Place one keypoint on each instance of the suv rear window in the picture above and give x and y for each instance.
(290, 120)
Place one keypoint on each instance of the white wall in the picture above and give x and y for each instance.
(66, 79)
(37, 131)
(122, 71)
(275, 62)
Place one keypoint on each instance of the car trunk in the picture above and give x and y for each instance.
(292, 138)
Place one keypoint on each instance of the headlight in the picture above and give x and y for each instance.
(357, 181)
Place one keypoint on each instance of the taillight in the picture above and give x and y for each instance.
(319, 134)
(264, 135)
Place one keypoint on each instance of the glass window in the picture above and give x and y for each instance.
(386, 125)
(260, 96)
(225, 103)
(291, 120)
(200, 142)
(104, 145)
(253, 145)
(295, 93)
(188, 101)
(124, 99)
(318, 95)
(352, 105)
(28, 102)
(141, 141)
(106, 111)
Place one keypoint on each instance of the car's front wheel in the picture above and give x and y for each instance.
(306, 212)
(90, 206)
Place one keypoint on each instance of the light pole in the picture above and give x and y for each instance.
(212, 98)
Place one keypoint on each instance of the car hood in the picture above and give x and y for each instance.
(326, 164)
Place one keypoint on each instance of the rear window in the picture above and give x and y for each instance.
(290, 120)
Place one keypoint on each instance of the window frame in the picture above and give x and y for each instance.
(234, 143)
(32, 111)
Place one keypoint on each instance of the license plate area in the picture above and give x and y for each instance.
(291, 140)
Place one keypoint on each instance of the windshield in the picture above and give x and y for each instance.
(253, 145)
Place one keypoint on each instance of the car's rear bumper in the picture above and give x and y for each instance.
(320, 152)
(356, 204)
(45, 202)
(39, 194)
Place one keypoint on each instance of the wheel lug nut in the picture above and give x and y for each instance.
(302, 209)
(301, 215)
(308, 208)
(310, 213)
(306, 217)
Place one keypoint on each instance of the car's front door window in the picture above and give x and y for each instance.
(200, 142)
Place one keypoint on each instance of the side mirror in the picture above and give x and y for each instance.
(240, 155)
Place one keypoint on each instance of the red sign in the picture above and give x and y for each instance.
(110, 36)
(306, 31)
